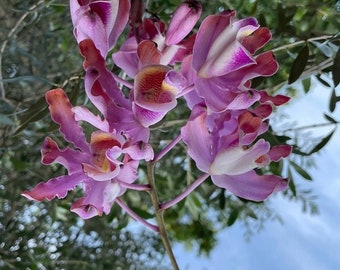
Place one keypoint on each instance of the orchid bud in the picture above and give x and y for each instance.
(183, 21)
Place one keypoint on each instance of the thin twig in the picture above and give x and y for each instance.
(286, 46)
(311, 126)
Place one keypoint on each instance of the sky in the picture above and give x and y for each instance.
(303, 241)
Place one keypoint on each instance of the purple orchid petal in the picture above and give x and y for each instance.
(262, 110)
(147, 117)
(216, 98)
(183, 21)
(192, 98)
(140, 151)
(278, 152)
(99, 198)
(251, 186)
(71, 159)
(88, 23)
(61, 113)
(257, 40)
(243, 100)
(113, 154)
(233, 57)
(96, 72)
(196, 136)
(250, 126)
(128, 173)
(265, 66)
(209, 30)
(126, 58)
(101, 21)
(183, 49)
(55, 187)
(236, 160)
(107, 172)
(121, 8)
(175, 80)
(148, 53)
(248, 122)
(225, 53)
(277, 100)
(84, 114)
(220, 99)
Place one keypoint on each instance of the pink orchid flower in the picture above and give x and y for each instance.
(153, 94)
(101, 88)
(156, 45)
(223, 62)
(103, 168)
(102, 21)
(224, 146)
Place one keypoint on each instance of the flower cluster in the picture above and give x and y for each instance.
(211, 69)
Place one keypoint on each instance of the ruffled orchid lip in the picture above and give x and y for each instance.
(152, 92)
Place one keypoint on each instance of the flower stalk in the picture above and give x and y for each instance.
(159, 212)
(186, 192)
(135, 216)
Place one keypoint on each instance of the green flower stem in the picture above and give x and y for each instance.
(159, 215)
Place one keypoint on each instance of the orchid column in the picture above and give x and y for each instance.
(158, 64)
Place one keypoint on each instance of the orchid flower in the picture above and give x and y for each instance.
(103, 168)
(223, 62)
(224, 146)
(153, 94)
(102, 21)
(157, 45)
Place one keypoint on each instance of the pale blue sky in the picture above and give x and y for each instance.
(303, 242)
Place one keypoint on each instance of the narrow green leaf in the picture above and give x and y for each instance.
(332, 101)
(251, 214)
(221, 200)
(336, 68)
(232, 217)
(34, 117)
(291, 183)
(196, 200)
(299, 64)
(296, 150)
(300, 170)
(323, 142)
(322, 81)
(190, 204)
(34, 113)
(330, 119)
(306, 83)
